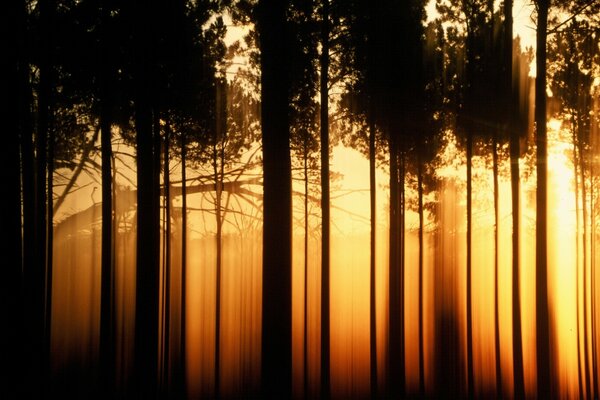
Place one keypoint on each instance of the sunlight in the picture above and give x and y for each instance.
(215, 200)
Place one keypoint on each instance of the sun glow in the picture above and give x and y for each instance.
(167, 219)
(444, 279)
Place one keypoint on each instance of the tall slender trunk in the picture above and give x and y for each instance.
(396, 307)
(507, 82)
(276, 351)
(518, 378)
(219, 264)
(468, 128)
(183, 336)
(584, 214)
(29, 248)
(593, 272)
(402, 269)
(107, 300)
(421, 286)
(393, 280)
(167, 247)
(496, 270)
(39, 286)
(146, 355)
(580, 331)
(514, 139)
(325, 204)
(30, 272)
(15, 115)
(146, 321)
(305, 333)
(49, 247)
(372, 257)
(542, 311)
(470, 372)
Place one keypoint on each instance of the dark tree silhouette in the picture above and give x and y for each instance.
(107, 318)
(398, 99)
(514, 134)
(358, 105)
(325, 203)
(543, 357)
(15, 113)
(304, 128)
(183, 328)
(35, 170)
(276, 315)
(386, 100)
(571, 55)
(473, 96)
(147, 267)
(218, 170)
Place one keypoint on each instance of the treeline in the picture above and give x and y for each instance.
(379, 76)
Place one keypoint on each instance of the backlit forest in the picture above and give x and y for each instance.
(307, 199)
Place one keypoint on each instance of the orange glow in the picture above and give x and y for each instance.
(76, 283)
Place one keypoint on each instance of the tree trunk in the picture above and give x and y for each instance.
(183, 336)
(107, 319)
(148, 217)
(593, 288)
(593, 266)
(325, 204)
(49, 247)
(579, 330)
(15, 115)
(507, 83)
(586, 280)
(514, 139)
(31, 335)
(496, 270)
(542, 312)
(29, 247)
(402, 267)
(372, 257)
(396, 308)
(167, 247)
(421, 266)
(146, 322)
(305, 333)
(471, 375)
(39, 345)
(276, 352)
(219, 264)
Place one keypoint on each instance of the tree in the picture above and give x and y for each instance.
(514, 135)
(426, 138)
(544, 378)
(15, 113)
(391, 101)
(183, 328)
(475, 92)
(359, 104)
(226, 145)
(383, 102)
(147, 268)
(35, 171)
(304, 126)
(478, 120)
(325, 203)
(571, 58)
(276, 318)
(107, 318)
(195, 113)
